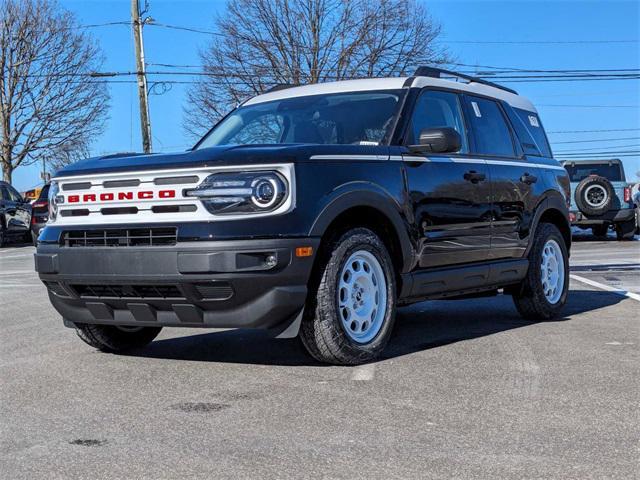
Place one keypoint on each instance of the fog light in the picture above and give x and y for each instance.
(271, 261)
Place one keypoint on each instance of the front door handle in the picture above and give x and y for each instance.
(474, 177)
(528, 179)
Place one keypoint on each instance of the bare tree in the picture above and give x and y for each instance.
(48, 101)
(262, 43)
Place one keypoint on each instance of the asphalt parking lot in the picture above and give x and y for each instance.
(467, 389)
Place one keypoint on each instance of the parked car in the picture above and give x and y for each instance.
(316, 211)
(15, 215)
(601, 197)
(40, 213)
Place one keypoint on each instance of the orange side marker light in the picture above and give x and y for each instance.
(304, 251)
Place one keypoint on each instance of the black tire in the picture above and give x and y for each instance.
(600, 230)
(529, 298)
(594, 195)
(637, 220)
(3, 235)
(109, 338)
(626, 230)
(322, 331)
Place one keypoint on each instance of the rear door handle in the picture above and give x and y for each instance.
(528, 179)
(474, 177)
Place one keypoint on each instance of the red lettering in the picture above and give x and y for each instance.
(167, 193)
(106, 197)
(89, 197)
(125, 195)
(73, 198)
(145, 195)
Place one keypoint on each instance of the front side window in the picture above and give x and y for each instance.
(350, 118)
(490, 129)
(436, 109)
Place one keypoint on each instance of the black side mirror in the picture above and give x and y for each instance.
(437, 140)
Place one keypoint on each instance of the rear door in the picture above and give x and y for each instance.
(515, 181)
(449, 193)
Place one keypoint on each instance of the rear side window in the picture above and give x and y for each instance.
(435, 109)
(531, 122)
(579, 171)
(490, 129)
(44, 193)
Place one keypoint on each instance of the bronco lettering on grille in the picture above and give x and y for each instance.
(113, 196)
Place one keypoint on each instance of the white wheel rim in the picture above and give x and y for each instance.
(362, 296)
(552, 272)
(596, 196)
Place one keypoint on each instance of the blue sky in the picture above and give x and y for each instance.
(462, 21)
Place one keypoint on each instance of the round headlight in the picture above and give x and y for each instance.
(267, 191)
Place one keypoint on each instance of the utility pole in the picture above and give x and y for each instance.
(145, 121)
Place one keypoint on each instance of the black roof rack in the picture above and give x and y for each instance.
(439, 73)
(280, 86)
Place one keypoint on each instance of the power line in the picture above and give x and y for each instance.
(599, 140)
(587, 106)
(595, 148)
(538, 42)
(596, 131)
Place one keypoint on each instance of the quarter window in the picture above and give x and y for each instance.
(436, 109)
(490, 129)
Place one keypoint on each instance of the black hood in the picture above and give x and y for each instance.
(223, 155)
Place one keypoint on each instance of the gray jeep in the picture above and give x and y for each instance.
(601, 197)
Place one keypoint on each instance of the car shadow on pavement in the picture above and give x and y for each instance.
(419, 327)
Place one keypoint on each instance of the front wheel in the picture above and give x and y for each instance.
(351, 306)
(543, 292)
(600, 231)
(111, 338)
(626, 230)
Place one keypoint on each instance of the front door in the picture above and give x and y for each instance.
(449, 193)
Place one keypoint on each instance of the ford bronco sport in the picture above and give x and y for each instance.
(315, 211)
(601, 197)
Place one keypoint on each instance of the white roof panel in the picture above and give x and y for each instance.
(396, 83)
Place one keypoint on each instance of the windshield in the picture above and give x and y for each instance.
(577, 172)
(358, 118)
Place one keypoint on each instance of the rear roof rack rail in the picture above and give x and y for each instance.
(280, 86)
(440, 73)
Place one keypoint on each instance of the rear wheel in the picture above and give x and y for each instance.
(543, 292)
(351, 307)
(3, 235)
(626, 230)
(111, 338)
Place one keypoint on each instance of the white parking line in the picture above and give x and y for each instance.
(607, 288)
(3, 257)
(364, 373)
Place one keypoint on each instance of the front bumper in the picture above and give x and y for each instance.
(612, 216)
(222, 284)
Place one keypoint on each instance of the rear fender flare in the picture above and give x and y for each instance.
(552, 201)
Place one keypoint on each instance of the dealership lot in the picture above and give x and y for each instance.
(466, 389)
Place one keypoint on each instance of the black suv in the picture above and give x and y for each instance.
(316, 211)
(15, 215)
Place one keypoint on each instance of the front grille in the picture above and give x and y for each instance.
(130, 237)
(128, 291)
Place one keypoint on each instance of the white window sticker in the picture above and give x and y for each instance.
(533, 120)
(476, 109)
